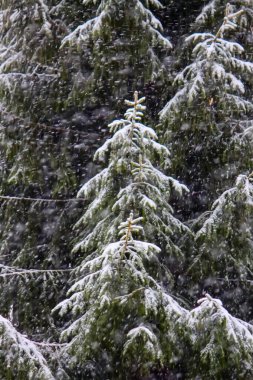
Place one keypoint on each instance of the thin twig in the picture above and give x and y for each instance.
(130, 294)
(6, 197)
(20, 271)
(49, 344)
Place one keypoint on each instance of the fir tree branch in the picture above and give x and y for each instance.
(10, 198)
(130, 294)
(45, 344)
(21, 271)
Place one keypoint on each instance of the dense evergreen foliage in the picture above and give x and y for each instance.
(104, 285)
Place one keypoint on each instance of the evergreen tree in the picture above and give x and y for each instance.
(224, 249)
(33, 225)
(62, 63)
(120, 49)
(19, 357)
(131, 182)
(115, 277)
(45, 151)
(124, 324)
(214, 11)
(198, 120)
(221, 344)
(37, 161)
(25, 72)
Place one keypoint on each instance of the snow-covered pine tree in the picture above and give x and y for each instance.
(20, 358)
(210, 18)
(36, 161)
(25, 72)
(220, 345)
(131, 182)
(33, 91)
(198, 120)
(123, 322)
(36, 77)
(45, 153)
(120, 49)
(213, 13)
(224, 262)
(32, 227)
(43, 148)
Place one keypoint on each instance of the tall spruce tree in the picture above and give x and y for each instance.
(130, 181)
(38, 162)
(47, 136)
(223, 262)
(199, 122)
(116, 276)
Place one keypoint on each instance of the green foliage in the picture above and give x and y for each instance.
(64, 69)
(131, 182)
(19, 357)
(121, 315)
(123, 49)
(199, 121)
(223, 261)
(117, 301)
(221, 344)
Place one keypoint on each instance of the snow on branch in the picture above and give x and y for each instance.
(26, 199)
(97, 273)
(21, 356)
(130, 181)
(215, 59)
(235, 14)
(208, 11)
(217, 240)
(46, 27)
(247, 131)
(7, 271)
(212, 320)
(95, 27)
(242, 193)
(143, 337)
(117, 278)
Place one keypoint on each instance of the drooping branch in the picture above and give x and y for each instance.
(13, 271)
(26, 199)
